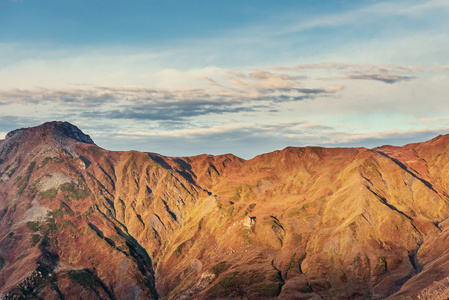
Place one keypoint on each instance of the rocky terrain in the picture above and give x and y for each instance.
(81, 222)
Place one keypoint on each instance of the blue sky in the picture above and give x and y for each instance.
(247, 77)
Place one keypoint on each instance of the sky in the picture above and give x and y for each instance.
(187, 77)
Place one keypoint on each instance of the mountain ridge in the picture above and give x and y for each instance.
(297, 223)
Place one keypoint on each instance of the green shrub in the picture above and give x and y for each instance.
(89, 212)
(250, 208)
(35, 238)
(74, 192)
(33, 226)
(62, 210)
(219, 268)
(182, 246)
(229, 211)
(67, 187)
(237, 194)
(2, 262)
(275, 277)
(48, 227)
(381, 268)
(46, 160)
(217, 291)
(83, 277)
(45, 242)
(246, 233)
(316, 150)
(292, 214)
(22, 181)
(49, 194)
(45, 228)
(58, 213)
(236, 281)
(80, 194)
(266, 289)
(295, 263)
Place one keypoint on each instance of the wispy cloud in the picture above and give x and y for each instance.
(389, 74)
(384, 78)
(166, 113)
(83, 97)
(232, 92)
(279, 129)
(438, 66)
(362, 15)
(189, 133)
(11, 122)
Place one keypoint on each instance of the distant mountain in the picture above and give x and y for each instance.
(81, 222)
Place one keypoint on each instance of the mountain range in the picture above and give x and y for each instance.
(81, 222)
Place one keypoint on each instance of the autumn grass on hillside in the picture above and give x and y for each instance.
(437, 291)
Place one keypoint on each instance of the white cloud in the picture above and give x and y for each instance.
(188, 133)
(272, 107)
(432, 120)
(334, 89)
(438, 66)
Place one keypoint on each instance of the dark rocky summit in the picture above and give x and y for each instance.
(64, 128)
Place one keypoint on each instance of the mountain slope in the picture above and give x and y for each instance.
(78, 221)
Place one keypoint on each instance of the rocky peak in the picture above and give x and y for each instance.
(15, 132)
(71, 131)
(64, 128)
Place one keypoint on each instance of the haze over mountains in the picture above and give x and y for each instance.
(80, 222)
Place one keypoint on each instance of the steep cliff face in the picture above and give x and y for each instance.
(80, 221)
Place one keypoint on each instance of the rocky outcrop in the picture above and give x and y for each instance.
(72, 132)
